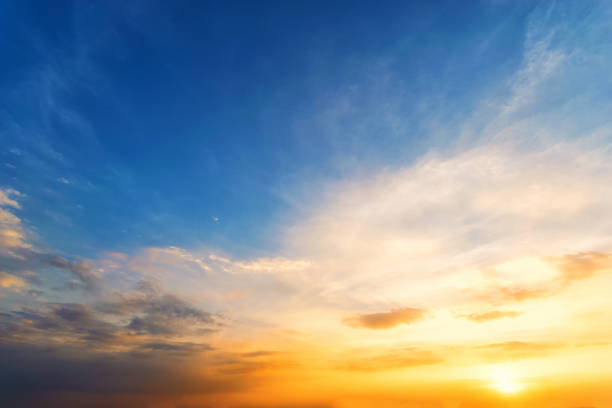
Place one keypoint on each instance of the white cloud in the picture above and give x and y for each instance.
(488, 205)
(6, 200)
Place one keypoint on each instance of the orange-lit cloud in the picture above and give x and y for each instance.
(391, 361)
(11, 231)
(10, 281)
(514, 350)
(491, 315)
(385, 320)
(582, 265)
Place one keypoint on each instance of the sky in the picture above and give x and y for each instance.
(306, 204)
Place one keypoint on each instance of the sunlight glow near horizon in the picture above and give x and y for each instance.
(504, 380)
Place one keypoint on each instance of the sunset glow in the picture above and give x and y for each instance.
(505, 381)
(258, 204)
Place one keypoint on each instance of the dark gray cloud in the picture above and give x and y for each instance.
(160, 324)
(157, 313)
(175, 348)
(144, 314)
(33, 266)
(68, 348)
(68, 321)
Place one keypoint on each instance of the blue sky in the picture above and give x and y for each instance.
(136, 124)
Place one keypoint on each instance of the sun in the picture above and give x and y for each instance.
(504, 381)
(506, 386)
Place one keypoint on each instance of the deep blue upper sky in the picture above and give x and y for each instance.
(137, 123)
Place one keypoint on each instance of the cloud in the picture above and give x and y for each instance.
(386, 320)
(26, 259)
(569, 268)
(6, 200)
(101, 324)
(491, 315)
(59, 323)
(145, 323)
(12, 238)
(510, 350)
(541, 61)
(427, 230)
(169, 315)
(20, 259)
(10, 281)
(391, 361)
(11, 232)
(272, 265)
(176, 349)
(158, 313)
(7, 218)
(582, 265)
(517, 293)
(259, 353)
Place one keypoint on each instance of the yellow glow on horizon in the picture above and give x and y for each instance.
(504, 380)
